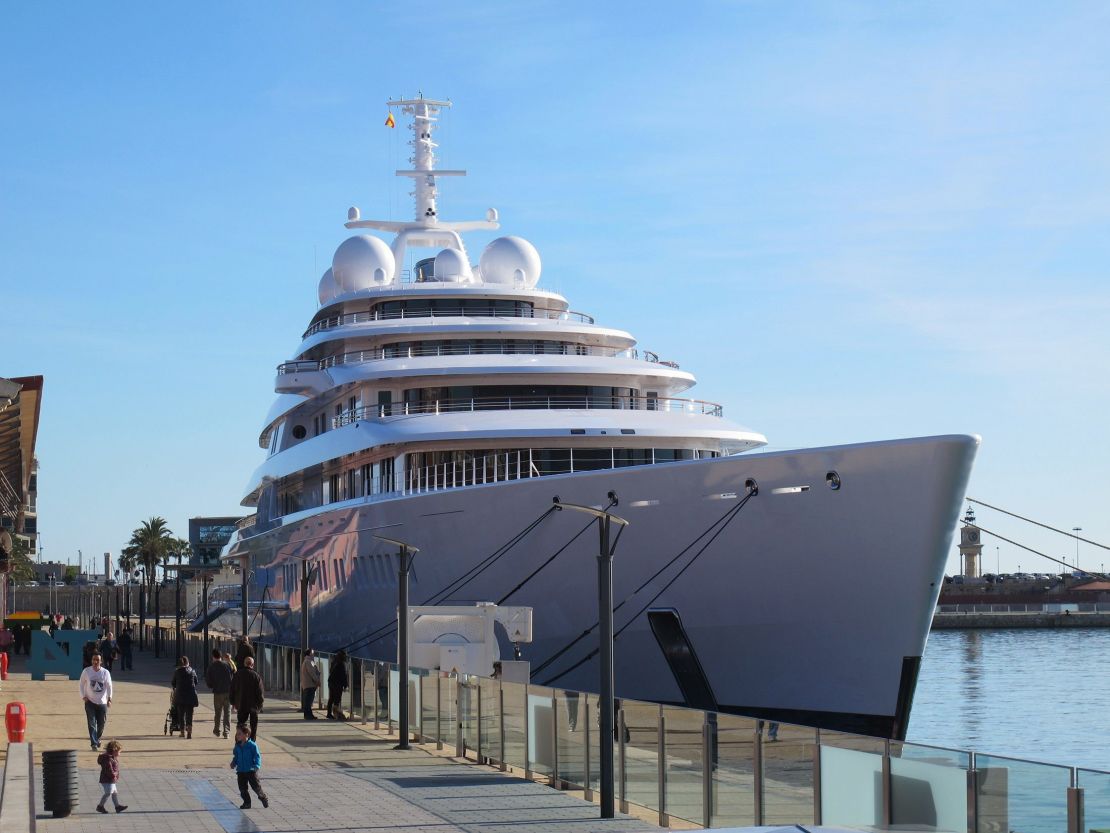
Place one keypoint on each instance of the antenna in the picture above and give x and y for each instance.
(425, 229)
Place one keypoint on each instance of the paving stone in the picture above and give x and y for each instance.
(320, 776)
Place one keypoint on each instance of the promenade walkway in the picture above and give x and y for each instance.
(320, 775)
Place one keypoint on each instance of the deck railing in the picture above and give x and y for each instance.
(706, 768)
(496, 349)
(529, 403)
(459, 312)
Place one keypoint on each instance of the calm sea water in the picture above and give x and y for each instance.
(1040, 694)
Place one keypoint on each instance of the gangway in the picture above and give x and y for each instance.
(218, 609)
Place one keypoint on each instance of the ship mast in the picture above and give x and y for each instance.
(426, 229)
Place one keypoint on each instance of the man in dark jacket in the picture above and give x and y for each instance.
(218, 677)
(243, 651)
(108, 648)
(337, 681)
(125, 643)
(247, 695)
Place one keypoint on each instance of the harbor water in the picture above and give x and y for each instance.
(1040, 694)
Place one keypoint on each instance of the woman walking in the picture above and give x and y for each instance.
(185, 699)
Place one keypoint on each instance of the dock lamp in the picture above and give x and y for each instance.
(142, 606)
(605, 621)
(406, 553)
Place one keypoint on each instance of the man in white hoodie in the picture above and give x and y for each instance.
(96, 691)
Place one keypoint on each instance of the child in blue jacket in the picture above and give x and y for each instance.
(246, 760)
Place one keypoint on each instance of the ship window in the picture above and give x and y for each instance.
(299, 432)
(632, 457)
(592, 459)
(551, 460)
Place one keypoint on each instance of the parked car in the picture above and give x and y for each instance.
(30, 584)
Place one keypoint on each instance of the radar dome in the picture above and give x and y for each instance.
(362, 262)
(328, 289)
(511, 260)
(451, 266)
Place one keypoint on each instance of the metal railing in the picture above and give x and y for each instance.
(528, 403)
(1030, 608)
(515, 464)
(493, 349)
(708, 768)
(459, 312)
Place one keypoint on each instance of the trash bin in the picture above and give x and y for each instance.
(60, 792)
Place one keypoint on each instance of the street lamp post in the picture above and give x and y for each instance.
(606, 636)
(406, 554)
(142, 609)
(1077, 530)
(157, 617)
(308, 577)
(244, 564)
(178, 638)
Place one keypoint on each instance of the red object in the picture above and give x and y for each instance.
(3, 665)
(15, 719)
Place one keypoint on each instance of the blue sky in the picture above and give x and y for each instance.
(852, 221)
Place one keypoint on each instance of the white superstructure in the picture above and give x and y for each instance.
(451, 399)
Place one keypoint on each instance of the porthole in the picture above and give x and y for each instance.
(299, 432)
(832, 480)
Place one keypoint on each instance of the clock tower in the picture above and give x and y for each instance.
(971, 546)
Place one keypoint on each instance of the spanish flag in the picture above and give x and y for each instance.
(389, 121)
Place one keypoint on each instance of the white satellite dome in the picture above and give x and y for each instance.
(362, 262)
(451, 266)
(328, 288)
(511, 260)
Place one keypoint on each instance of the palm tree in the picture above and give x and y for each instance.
(149, 544)
(177, 548)
(128, 561)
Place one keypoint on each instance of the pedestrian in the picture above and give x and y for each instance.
(337, 681)
(17, 638)
(184, 685)
(108, 648)
(67, 624)
(126, 643)
(96, 690)
(243, 651)
(247, 696)
(246, 760)
(109, 776)
(6, 640)
(230, 661)
(218, 678)
(53, 629)
(382, 676)
(310, 681)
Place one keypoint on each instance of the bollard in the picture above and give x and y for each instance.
(3, 665)
(15, 720)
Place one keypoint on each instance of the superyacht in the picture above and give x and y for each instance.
(450, 403)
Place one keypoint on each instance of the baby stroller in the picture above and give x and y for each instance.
(173, 722)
